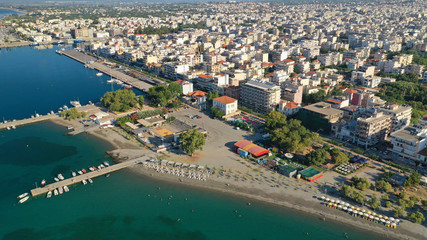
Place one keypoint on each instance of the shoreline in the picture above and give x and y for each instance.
(16, 10)
(295, 199)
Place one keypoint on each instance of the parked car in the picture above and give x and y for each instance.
(198, 117)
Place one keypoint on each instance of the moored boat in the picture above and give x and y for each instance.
(84, 182)
(74, 174)
(106, 163)
(60, 190)
(84, 170)
(43, 182)
(23, 199)
(91, 168)
(23, 195)
(55, 192)
(80, 172)
(56, 179)
(61, 177)
(99, 74)
(49, 194)
(66, 189)
(90, 180)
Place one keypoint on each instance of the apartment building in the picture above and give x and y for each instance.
(319, 116)
(372, 129)
(409, 142)
(186, 86)
(292, 92)
(330, 59)
(401, 115)
(260, 96)
(414, 68)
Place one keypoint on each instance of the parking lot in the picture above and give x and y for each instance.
(218, 150)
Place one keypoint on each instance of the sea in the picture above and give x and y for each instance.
(5, 12)
(123, 205)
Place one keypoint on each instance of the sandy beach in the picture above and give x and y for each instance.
(249, 181)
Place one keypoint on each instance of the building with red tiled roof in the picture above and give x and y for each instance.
(288, 108)
(226, 104)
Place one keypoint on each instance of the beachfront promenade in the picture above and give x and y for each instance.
(86, 176)
(92, 63)
(40, 118)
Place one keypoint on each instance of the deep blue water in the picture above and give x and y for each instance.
(123, 206)
(38, 81)
(5, 12)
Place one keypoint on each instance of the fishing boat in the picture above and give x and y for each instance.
(75, 103)
(99, 74)
(127, 87)
(74, 174)
(66, 189)
(106, 163)
(23, 195)
(80, 172)
(43, 182)
(84, 182)
(23, 199)
(49, 194)
(60, 190)
(56, 179)
(61, 177)
(55, 192)
(84, 170)
(90, 180)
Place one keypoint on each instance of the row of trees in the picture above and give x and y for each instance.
(73, 113)
(289, 135)
(162, 94)
(320, 156)
(121, 100)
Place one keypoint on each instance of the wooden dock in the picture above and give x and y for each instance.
(93, 63)
(79, 178)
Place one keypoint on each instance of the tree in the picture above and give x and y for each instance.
(415, 199)
(317, 157)
(192, 140)
(120, 100)
(72, 113)
(141, 101)
(388, 204)
(417, 217)
(175, 89)
(121, 121)
(424, 203)
(358, 150)
(413, 180)
(374, 202)
(399, 212)
(339, 157)
(383, 185)
(274, 120)
(216, 112)
(361, 183)
(360, 197)
(212, 95)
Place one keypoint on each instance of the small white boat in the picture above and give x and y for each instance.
(74, 174)
(60, 190)
(66, 189)
(56, 179)
(99, 74)
(55, 192)
(8, 128)
(106, 163)
(84, 182)
(80, 172)
(13, 127)
(23, 199)
(70, 128)
(102, 165)
(91, 168)
(43, 182)
(90, 180)
(49, 194)
(61, 177)
(23, 195)
(111, 81)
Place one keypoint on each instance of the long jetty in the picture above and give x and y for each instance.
(40, 118)
(86, 176)
(93, 63)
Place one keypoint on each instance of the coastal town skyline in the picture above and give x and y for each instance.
(318, 107)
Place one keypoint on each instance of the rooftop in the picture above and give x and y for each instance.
(225, 99)
(266, 86)
(323, 109)
(408, 134)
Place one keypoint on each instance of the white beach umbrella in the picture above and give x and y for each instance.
(397, 220)
(382, 220)
(388, 222)
(366, 214)
(327, 199)
(344, 208)
(392, 219)
(370, 216)
(377, 218)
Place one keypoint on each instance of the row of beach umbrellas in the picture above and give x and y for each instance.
(357, 212)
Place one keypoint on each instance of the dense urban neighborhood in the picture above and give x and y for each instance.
(331, 97)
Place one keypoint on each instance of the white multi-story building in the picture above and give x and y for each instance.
(409, 141)
(401, 115)
(187, 87)
(260, 96)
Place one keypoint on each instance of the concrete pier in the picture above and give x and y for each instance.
(92, 63)
(79, 178)
(40, 118)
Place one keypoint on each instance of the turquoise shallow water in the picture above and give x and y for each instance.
(119, 206)
(5, 12)
(123, 206)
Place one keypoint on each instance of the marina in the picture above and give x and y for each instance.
(91, 62)
(83, 178)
